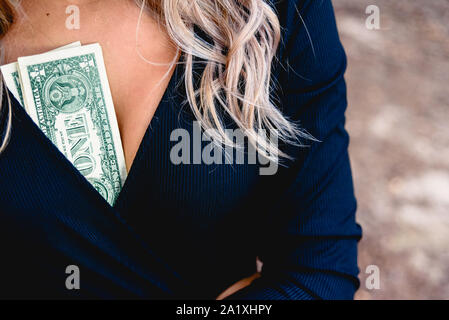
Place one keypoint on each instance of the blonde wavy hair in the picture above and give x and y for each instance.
(242, 38)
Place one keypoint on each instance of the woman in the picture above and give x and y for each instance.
(188, 230)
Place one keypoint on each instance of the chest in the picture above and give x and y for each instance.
(137, 52)
(163, 187)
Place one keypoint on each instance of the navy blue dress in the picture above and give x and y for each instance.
(190, 231)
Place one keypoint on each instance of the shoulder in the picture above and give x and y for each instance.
(310, 50)
(288, 11)
(310, 65)
(307, 25)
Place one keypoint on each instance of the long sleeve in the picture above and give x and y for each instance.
(309, 242)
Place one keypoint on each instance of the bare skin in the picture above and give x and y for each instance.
(134, 82)
(137, 86)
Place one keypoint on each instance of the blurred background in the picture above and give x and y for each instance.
(398, 119)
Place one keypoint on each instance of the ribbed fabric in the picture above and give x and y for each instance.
(190, 231)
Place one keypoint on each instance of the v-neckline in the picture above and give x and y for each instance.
(155, 120)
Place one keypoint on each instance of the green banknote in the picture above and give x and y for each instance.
(67, 94)
(11, 74)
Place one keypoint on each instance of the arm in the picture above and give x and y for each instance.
(309, 247)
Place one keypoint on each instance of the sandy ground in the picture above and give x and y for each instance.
(398, 81)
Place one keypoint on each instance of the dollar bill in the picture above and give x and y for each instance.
(67, 94)
(11, 74)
